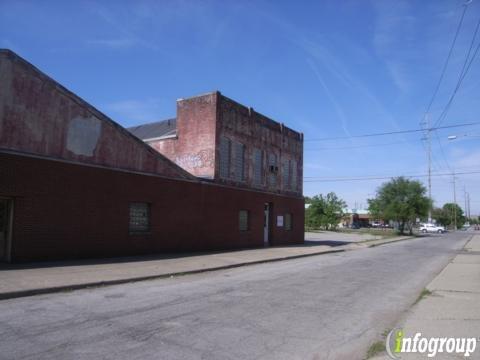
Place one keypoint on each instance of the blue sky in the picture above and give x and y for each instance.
(326, 68)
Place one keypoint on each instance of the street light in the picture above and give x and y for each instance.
(454, 137)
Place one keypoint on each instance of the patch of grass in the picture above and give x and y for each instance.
(385, 333)
(375, 349)
(423, 294)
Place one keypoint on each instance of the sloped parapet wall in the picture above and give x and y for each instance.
(39, 116)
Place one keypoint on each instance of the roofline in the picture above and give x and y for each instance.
(200, 95)
(164, 137)
(151, 123)
(248, 108)
(94, 111)
(194, 179)
(251, 109)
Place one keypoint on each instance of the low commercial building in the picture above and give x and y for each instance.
(73, 183)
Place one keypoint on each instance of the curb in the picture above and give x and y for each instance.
(393, 241)
(65, 288)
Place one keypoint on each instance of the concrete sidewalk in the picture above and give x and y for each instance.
(39, 278)
(452, 309)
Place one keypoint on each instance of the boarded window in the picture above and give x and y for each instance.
(139, 217)
(257, 166)
(272, 169)
(286, 174)
(243, 220)
(239, 161)
(293, 180)
(288, 221)
(224, 157)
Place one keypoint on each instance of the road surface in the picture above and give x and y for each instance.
(322, 307)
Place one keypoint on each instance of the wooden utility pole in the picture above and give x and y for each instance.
(454, 203)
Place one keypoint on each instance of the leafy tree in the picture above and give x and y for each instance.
(441, 216)
(446, 215)
(402, 201)
(325, 211)
(451, 210)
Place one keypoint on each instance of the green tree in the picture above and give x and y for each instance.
(402, 201)
(441, 216)
(450, 211)
(325, 211)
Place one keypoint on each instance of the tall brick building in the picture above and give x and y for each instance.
(73, 183)
(215, 138)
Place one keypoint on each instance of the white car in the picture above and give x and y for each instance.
(431, 228)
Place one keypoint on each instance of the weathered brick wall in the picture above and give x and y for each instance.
(65, 210)
(39, 116)
(194, 148)
(255, 130)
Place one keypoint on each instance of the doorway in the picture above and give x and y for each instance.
(266, 225)
(6, 209)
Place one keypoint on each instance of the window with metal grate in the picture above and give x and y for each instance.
(288, 222)
(257, 167)
(224, 162)
(243, 220)
(139, 217)
(272, 169)
(239, 161)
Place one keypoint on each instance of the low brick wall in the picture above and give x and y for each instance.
(64, 210)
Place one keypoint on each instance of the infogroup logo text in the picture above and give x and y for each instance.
(397, 343)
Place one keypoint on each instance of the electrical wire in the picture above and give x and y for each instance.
(463, 73)
(392, 132)
(442, 152)
(356, 146)
(366, 178)
(447, 60)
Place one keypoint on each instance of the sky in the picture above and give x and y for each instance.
(329, 69)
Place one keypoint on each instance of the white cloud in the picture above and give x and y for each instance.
(113, 43)
(393, 39)
(469, 159)
(338, 108)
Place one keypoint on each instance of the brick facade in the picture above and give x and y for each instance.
(65, 210)
(71, 177)
(203, 121)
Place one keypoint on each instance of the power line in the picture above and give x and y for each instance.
(392, 132)
(447, 60)
(428, 131)
(366, 178)
(357, 146)
(442, 152)
(462, 75)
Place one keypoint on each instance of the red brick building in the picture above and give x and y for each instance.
(73, 183)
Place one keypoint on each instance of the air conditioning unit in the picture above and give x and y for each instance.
(273, 169)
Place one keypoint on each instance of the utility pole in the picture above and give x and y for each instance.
(468, 204)
(426, 124)
(466, 200)
(454, 203)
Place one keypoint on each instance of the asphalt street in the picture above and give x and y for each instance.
(321, 307)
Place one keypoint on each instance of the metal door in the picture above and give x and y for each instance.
(5, 228)
(266, 224)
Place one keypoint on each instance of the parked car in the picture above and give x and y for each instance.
(431, 228)
(376, 224)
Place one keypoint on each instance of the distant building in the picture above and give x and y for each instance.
(73, 183)
(360, 217)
